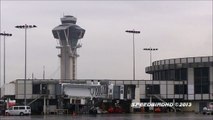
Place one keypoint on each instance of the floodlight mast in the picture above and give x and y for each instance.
(133, 54)
(5, 35)
(150, 49)
(25, 27)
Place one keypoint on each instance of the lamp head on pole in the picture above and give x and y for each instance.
(133, 31)
(25, 26)
(5, 34)
(151, 49)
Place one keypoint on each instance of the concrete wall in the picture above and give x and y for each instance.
(68, 70)
(190, 83)
(19, 87)
(170, 89)
(52, 91)
(8, 89)
(137, 95)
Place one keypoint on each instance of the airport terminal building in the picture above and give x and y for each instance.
(195, 72)
(174, 80)
(188, 79)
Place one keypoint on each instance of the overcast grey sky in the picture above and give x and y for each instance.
(177, 29)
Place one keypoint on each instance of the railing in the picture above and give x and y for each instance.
(34, 100)
(160, 98)
(184, 60)
(179, 62)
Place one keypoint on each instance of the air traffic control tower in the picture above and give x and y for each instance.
(68, 34)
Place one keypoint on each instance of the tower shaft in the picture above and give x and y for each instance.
(68, 64)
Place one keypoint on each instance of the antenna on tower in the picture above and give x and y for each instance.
(32, 75)
(43, 72)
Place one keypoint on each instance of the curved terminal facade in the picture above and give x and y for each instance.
(188, 79)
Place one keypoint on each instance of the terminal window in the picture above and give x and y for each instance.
(152, 89)
(201, 80)
(180, 89)
(36, 88)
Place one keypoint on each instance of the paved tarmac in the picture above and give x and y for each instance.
(145, 116)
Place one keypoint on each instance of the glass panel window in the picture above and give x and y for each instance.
(177, 74)
(167, 61)
(171, 74)
(190, 60)
(163, 75)
(172, 61)
(162, 62)
(177, 61)
(183, 60)
(198, 59)
(154, 76)
(205, 59)
(158, 62)
(198, 89)
(180, 89)
(152, 89)
(166, 74)
(201, 80)
(36, 88)
(184, 74)
(211, 58)
(181, 74)
(159, 75)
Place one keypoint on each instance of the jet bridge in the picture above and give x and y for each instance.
(84, 90)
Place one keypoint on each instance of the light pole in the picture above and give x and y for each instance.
(151, 90)
(8, 35)
(0, 45)
(133, 44)
(25, 27)
(150, 51)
